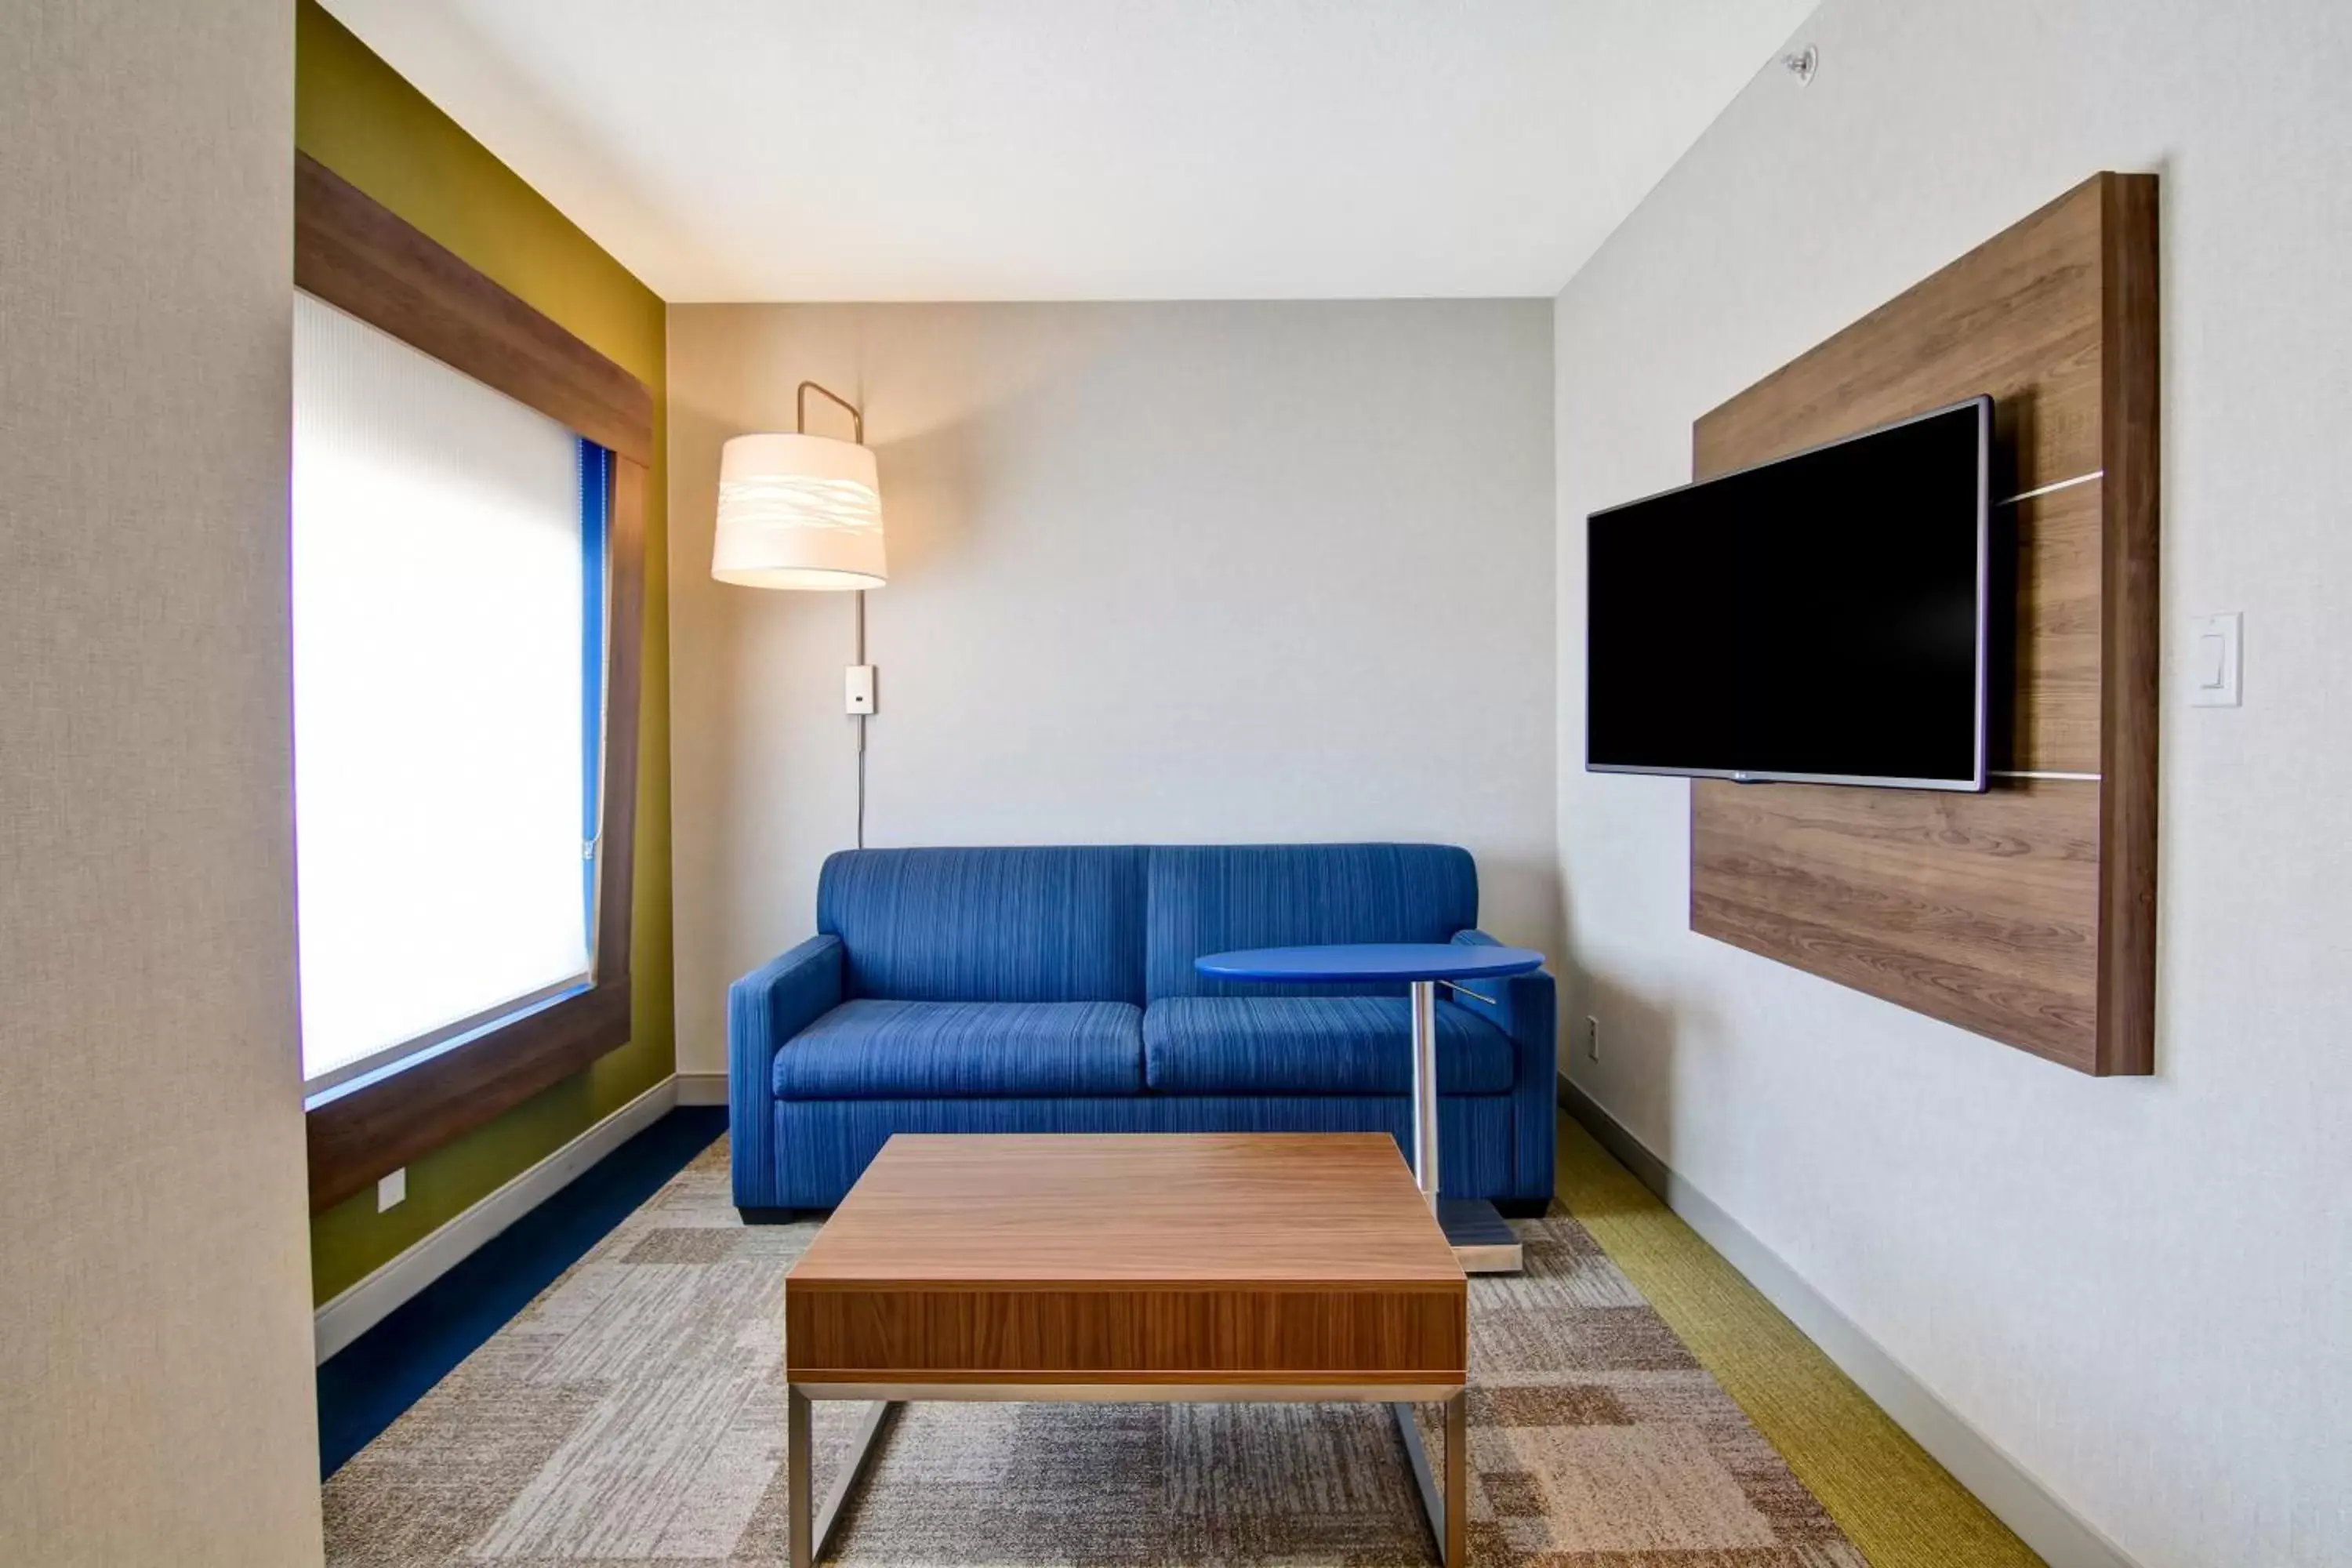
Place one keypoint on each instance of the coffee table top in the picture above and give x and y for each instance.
(1370, 961)
(1117, 1262)
(1309, 1210)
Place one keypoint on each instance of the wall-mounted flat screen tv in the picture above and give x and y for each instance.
(1817, 619)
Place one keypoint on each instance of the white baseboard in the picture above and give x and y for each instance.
(373, 1299)
(703, 1089)
(2063, 1537)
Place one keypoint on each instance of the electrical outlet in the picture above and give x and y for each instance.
(1592, 1039)
(392, 1190)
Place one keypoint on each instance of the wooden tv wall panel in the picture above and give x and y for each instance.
(2026, 914)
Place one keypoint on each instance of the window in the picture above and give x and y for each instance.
(468, 603)
(448, 583)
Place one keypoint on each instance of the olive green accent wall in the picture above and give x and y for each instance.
(356, 115)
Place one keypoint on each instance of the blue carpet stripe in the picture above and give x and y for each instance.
(365, 1386)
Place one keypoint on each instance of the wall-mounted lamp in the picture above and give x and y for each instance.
(805, 511)
(800, 511)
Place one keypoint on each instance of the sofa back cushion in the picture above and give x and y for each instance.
(1211, 898)
(987, 925)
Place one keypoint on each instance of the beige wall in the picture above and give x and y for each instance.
(1172, 573)
(2137, 1288)
(155, 1396)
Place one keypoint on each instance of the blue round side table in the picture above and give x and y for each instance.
(1483, 1243)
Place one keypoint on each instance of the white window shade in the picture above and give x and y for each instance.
(437, 611)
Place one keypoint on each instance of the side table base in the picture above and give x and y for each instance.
(1484, 1241)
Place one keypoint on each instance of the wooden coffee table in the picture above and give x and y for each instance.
(1212, 1267)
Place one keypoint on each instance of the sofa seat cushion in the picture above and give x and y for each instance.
(1314, 1045)
(870, 1050)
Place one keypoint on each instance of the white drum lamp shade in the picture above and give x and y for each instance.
(798, 511)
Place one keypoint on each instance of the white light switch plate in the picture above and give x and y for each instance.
(392, 1190)
(2216, 644)
(858, 690)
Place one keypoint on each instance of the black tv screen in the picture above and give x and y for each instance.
(1817, 619)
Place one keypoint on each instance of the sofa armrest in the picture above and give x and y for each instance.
(1526, 1008)
(765, 1009)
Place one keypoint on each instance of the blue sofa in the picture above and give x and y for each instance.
(1051, 989)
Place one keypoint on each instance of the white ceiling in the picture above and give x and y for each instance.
(1086, 149)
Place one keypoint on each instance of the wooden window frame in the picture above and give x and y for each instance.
(359, 257)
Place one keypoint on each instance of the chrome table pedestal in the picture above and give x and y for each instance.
(1484, 1243)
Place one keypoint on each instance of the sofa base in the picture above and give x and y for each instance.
(821, 1145)
(1509, 1208)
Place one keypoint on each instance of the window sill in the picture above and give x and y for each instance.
(373, 1125)
(378, 1064)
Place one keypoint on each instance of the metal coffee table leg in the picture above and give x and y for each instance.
(810, 1530)
(796, 1476)
(1449, 1513)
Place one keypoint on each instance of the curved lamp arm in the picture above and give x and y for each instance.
(800, 409)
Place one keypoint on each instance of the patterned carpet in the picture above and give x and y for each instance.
(634, 1415)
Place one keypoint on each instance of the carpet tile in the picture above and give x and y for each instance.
(632, 1416)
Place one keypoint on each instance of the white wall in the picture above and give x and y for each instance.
(2142, 1289)
(156, 1390)
(1158, 572)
